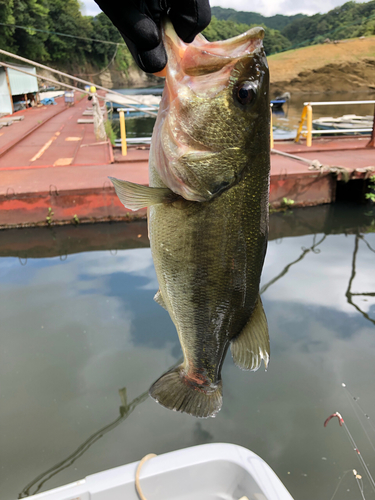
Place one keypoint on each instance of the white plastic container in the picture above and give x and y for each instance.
(206, 472)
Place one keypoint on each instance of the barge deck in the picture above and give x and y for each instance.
(52, 170)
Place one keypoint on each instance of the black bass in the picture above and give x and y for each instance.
(208, 211)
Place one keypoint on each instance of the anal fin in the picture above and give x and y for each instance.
(253, 343)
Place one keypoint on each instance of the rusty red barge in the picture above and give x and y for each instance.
(52, 170)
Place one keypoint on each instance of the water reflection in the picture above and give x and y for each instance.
(135, 126)
(295, 106)
(305, 251)
(285, 119)
(125, 410)
(349, 294)
(73, 332)
(200, 435)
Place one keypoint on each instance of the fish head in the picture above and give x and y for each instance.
(214, 109)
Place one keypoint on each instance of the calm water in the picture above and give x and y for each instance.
(288, 120)
(78, 323)
(285, 122)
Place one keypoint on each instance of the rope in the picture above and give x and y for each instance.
(140, 465)
(68, 86)
(72, 87)
(316, 165)
(369, 171)
(294, 157)
(80, 80)
(332, 169)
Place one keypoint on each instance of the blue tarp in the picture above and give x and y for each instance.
(48, 100)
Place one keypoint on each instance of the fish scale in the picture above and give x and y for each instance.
(208, 212)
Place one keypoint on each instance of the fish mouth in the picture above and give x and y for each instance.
(195, 74)
(202, 57)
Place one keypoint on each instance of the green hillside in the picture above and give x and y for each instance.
(350, 20)
(55, 31)
(277, 22)
(274, 41)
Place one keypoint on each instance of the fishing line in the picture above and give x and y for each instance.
(353, 443)
(359, 481)
(338, 484)
(369, 476)
(352, 398)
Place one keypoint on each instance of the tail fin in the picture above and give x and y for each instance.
(176, 392)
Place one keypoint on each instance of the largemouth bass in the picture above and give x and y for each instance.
(208, 211)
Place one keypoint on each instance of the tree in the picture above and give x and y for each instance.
(6, 17)
(34, 14)
(65, 17)
(274, 41)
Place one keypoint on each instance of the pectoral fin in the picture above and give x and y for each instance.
(159, 299)
(253, 343)
(134, 196)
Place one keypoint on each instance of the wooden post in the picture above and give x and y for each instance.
(371, 144)
(271, 132)
(9, 89)
(124, 150)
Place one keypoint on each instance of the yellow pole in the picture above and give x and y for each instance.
(271, 141)
(309, 126)
(302, 121)
(124, 149)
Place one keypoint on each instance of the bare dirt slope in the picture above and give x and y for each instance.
(332, 67)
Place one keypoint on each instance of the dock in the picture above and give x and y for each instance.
(53, 171)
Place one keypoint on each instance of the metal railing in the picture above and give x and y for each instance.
(307, 116)
(75, 79)
(124, 141)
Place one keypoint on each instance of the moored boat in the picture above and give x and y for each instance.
(278, 103)
(345, 122)
(280, 100)
(135, 105)
(213, 471)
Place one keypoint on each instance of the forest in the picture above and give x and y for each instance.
(56, 32)
(350, 20)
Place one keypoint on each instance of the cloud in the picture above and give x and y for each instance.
(285, 7)
(321, 278)
(90, 8)
(66, 349)
(266, 8)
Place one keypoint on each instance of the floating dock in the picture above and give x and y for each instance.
(53, 171)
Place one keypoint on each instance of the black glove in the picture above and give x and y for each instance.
(139, 24)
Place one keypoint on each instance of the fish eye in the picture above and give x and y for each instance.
(246, 92)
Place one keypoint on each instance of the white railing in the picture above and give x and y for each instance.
(307, 116)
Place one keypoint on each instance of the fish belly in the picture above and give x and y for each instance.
(208, 259)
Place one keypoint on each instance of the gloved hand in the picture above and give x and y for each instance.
(139, 24)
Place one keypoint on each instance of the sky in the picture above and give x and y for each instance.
(265, 7)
